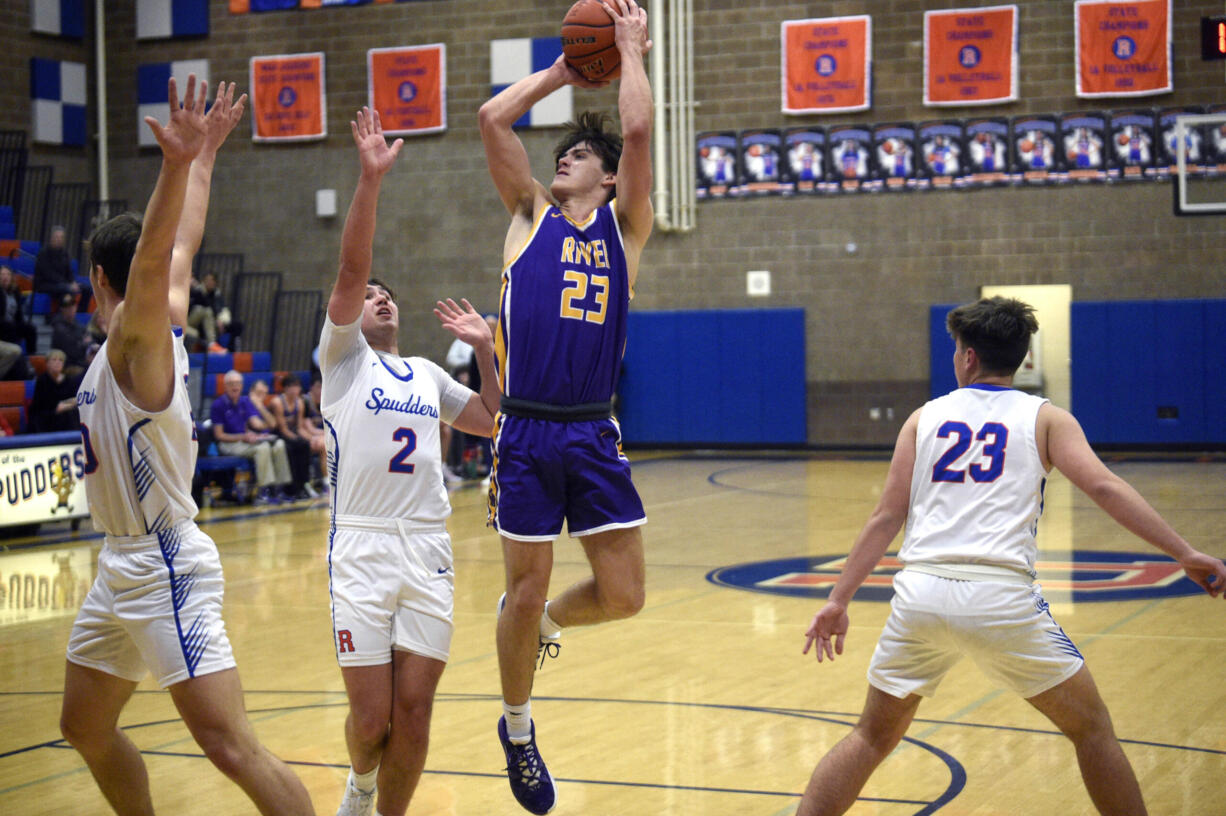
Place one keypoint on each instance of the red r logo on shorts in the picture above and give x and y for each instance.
(344, 640)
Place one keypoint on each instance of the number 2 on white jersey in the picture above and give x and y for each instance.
(400, 462)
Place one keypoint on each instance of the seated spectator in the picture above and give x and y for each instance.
(54, 404)
(71, 337)
(208, 316)
(14, 327)
(239, 431)
(53, 270)
(314, 424)
(13, 364)
(289, 409)
(259, 398)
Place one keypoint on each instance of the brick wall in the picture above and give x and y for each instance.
(441, 225)
(72, 164)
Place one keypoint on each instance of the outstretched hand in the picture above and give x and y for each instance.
(222, 117)
(374, 153)
(183, 136)
(629, 26)
(465, 323)
(830, 622)
(1208, 572)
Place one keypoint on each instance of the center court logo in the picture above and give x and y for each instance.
(1086, 576)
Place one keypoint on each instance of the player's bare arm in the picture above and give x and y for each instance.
(1064, 447)
(219, 121)
(829, 625)
(376, 157)
(140, 352)
(467, 324)
(634, 105)
(508, 162)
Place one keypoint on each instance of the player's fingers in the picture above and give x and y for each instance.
(239, 107)
(396, 145)
(353, 126)
(374, 117)
(172, 94)
(838, 643)
(155, 126)
(468, 306)
(808, 644)
(203, 98)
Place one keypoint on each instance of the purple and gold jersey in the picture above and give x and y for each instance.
(562, 316)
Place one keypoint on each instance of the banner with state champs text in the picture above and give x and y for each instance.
(408, 87)
(970, 56)
(1123, 49)
(827, 64)
(288, 98)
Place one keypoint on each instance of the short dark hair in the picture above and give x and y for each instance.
(597, 130)
(112, 245)
(997, 328)
(383, 286)
(290, 379)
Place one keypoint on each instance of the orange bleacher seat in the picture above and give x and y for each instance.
(12, 392)
(12, 415)
(38, 362)
(242, 362)
(8, 246)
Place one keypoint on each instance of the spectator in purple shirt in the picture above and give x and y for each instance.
(239, 431)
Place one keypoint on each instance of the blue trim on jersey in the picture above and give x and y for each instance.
(402, 377)
(143, 476)
(196, 640)
(334, 457)
(988, 387)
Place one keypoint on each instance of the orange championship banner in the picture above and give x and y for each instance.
(827, 64)
(287, 98)
(1123, 49)
(970, 56)
(408, 87)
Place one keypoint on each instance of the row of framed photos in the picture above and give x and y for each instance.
(1125, 145)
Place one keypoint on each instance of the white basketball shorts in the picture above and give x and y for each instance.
(1005, 628)
(156, 605)
(393, 587)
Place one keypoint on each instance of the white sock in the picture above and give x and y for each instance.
(549, 627)
(519, 721)
(364, 782)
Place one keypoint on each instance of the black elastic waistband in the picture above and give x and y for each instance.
(584, 412)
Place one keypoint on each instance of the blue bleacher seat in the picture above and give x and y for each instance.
(84, 317)
(8, 230)
(261, 361)
(250, 379)
(6, 214)
(31, 247)
(30, 389)
(22, 265)
(195, 360)
(40, 303)
(218, 363)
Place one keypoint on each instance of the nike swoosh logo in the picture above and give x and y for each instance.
(442, 570)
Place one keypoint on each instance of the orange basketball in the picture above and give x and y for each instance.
(1124, 139)
(1025, 145)
(588, 41)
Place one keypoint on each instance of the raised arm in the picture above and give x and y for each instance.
(1068, 451)
(219, 121)
(887, 519)
(376, 157)
(140, 351)
(504, 152)
(468, 325)
(634, 106)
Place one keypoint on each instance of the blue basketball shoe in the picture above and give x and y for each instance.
(526, 771)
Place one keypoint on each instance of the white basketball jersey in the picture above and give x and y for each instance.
(977, 486)
(138, 464)
(381, 415)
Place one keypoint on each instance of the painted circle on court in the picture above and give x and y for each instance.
(1081, 576)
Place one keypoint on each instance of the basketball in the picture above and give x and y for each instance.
(887, 147)
(1025, 145)
(1124, 139)
(587, 41)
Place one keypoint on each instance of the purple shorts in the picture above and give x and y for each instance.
(546, 471)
